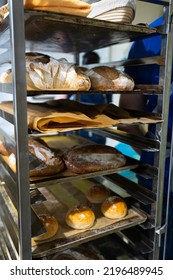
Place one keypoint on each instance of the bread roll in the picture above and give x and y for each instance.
(97, 193)
(92, 158)
(114, 208)
(80, 217)
(51, 225)
(109, 78)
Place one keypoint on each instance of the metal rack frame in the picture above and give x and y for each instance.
(22, 185)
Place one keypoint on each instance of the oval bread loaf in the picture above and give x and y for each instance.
(109, 78)
(92, 158)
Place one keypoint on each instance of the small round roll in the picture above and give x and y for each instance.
(97, 193)
(114, 208)
(80, 217)
(51, 225)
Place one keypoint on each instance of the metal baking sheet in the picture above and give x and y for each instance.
(60, 198)
(68, 33)
(71, 34)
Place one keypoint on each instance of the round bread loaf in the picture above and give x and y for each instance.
(97, 193)
(109, 78)
(93, 157)
(51, 225)
(80, 217)
(114, 208)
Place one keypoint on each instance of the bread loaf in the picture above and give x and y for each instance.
(43, 161)
(80, 217)
(97, 193)
(114, 207)
(51, 225)
(3, 12)
(6, 77)
(48, 74)
(50, 162)
(5, 148)
(92, 158)
(109, 78)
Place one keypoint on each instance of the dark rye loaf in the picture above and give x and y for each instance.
(92, 158)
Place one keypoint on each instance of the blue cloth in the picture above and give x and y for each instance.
(149, 74)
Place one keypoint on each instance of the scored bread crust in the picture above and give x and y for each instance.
(109, 78)
(50, 162)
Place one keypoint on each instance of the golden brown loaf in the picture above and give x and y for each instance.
(109, 78)
(3, 11)
(55, 74)
(5, 148)
(97, 193)
(50, 162)
(114, 207)
(92, 158)
(51, 225)
(43, 161)
(80, 217)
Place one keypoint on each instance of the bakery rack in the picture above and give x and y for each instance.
(23, 30)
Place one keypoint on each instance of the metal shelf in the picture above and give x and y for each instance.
(95, 33)
(73, 34)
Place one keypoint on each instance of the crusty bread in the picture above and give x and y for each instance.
(97, 193)
(5, 148)
(6, 77)
(93, 157)
(43, 161)
(50, 162)
(114, 207)
(50, 74)
(109, 78)
(80, 217)
(51, 225)
(3, 11)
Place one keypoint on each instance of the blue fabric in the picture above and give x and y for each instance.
(149, 74)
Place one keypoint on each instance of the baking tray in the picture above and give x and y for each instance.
(62, 142)
(60, 197)
(68, 33)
